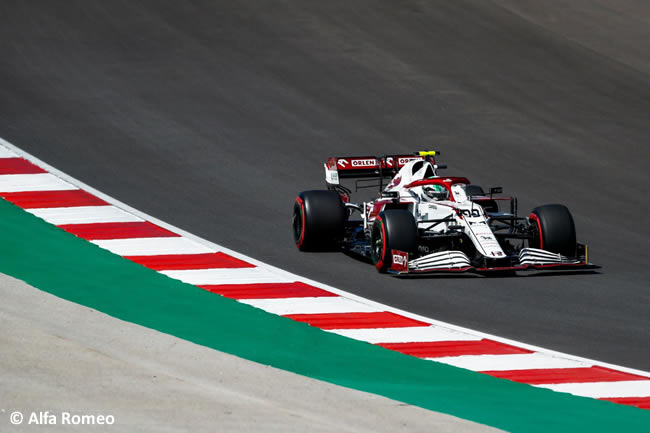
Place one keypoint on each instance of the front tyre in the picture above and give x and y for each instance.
(394, 229)
(318, 220)
(554, 229)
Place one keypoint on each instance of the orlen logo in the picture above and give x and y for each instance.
(399, 259)
(405, 160)
(364, 162)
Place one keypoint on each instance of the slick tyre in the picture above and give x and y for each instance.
(554, 229)
(393, 229)
(318, 220)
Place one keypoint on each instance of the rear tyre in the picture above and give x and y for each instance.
(318, 220)
(394, 229)
(555, 229)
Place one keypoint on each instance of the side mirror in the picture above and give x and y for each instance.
(496, 190)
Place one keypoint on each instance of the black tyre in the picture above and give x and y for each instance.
(555, 229)
(394, 229)
(318, 220)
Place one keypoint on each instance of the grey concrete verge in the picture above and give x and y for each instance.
(59, 357)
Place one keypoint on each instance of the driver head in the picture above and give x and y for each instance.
(435, 192)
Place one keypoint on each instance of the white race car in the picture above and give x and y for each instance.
(422, 222)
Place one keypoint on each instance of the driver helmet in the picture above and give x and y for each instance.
(435, 192)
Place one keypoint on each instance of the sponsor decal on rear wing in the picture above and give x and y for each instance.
(343, 167)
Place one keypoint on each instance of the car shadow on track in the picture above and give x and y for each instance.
(499, 274)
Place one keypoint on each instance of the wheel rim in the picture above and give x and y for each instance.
(377, 244)
(536, 235)
(297, 223)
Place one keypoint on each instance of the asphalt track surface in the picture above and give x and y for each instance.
(213, 115)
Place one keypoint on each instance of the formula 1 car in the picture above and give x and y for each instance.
(424, 223)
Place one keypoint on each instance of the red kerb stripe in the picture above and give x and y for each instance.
(640, 402)
(437, 349)
(44, 199)
(541, 376)
(126, 230)
(357, 320)
(190, 261)
(18, 166)
(267, 290)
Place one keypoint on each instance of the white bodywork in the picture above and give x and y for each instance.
(458, 213)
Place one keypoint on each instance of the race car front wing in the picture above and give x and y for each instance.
(457, 261)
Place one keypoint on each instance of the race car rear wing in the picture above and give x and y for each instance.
(343, 167)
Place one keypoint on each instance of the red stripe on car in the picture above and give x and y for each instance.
(380, 262)
(533, 217)
(301, 203)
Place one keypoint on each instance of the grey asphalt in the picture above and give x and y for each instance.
(213, 115)
(59, 357)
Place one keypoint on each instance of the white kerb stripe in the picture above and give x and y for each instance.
(6, 153)
(152, 246)
(309, 305)
(628, 388)
(405, 335)
(83, 215)
(228, 276)
(33, 182)
(523, 361)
